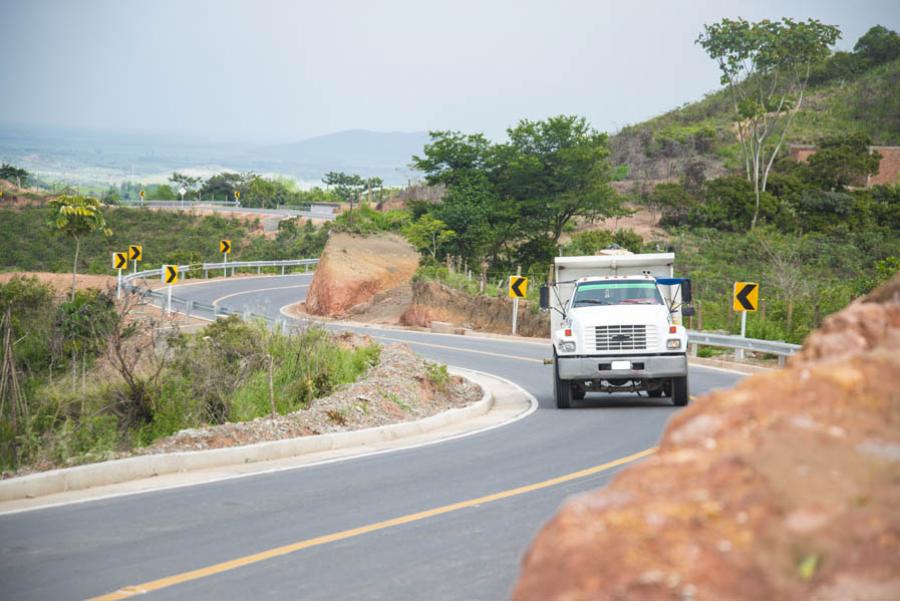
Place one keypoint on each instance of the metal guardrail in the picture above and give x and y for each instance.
(772, 347)
(191, 308)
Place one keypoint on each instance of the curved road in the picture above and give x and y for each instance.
(289, 529)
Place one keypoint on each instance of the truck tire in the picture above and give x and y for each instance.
(562, 389)
(680, 394)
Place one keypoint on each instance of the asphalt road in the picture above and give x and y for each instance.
(472, 552)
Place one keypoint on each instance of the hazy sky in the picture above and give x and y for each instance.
(273, 70)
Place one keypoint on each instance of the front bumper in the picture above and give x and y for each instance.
(648, 367)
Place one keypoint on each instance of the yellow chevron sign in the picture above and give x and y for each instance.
(518, 286)
(170, 274)
(136, 252)
(746, 296)
(119, 261)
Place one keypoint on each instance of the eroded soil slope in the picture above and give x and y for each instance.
(785, 487)
(353, 269)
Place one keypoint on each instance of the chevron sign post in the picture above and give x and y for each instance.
(745, 299)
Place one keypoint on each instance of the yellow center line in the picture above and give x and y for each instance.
(457, 348)
(221, 298)
(225, 566)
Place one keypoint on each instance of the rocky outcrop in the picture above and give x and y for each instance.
(353, 269)
(785, 487)
(433, 301)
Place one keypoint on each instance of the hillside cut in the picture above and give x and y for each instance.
(784, 487)
(353, 269)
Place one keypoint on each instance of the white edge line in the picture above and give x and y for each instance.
(533, 406)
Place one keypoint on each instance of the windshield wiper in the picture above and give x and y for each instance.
(591, 301)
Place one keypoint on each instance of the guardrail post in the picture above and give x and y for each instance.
(306, 267)
(282, 270)
(781, 360)
(188, 308)
(693, 349)
(258, 269)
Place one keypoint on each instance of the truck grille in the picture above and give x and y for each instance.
(624, 338)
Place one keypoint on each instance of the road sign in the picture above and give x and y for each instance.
(225, 246)
(518, 286)
(136, 252)
(746, 296)
(120, 260)
(142, 194)
(237, 194)
(170, 274)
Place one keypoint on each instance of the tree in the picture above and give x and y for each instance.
(76, 217)
(185, 181)
(766, 66)
(555, 170)
(878, 45)
(841, 161)
(346, 186)
(10, 173)
(222, 185)
(428, 234)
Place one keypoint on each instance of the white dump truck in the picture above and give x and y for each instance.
(616, 326)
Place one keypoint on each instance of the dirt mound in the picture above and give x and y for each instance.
(433, 301)
(785, 487)
(353, 269)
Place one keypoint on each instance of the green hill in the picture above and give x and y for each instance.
(864, 102)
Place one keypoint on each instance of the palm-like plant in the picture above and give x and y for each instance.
(76, 217)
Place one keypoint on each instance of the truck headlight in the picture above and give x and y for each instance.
(567, 347)
(673, 343)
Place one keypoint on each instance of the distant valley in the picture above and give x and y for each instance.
(83, 157)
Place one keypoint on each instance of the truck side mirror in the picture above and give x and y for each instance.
(686, 296)
(545, 297)
(687, 311)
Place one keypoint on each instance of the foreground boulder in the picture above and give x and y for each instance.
(353, 269)
(785, 487)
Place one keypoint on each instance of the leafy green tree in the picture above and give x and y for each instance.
(346, 186)
(841, 161)
(428, 234)
(878, 45)
(556, 169)
(222, 185)
(162, 192)
(76, 217)
(187, 182)
(766, 66)
(672, 201)
(12, 173)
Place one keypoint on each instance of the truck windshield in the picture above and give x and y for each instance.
(617, 293)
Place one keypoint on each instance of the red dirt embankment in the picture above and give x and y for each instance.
(433, 301)
(353, 269)
(785, 487)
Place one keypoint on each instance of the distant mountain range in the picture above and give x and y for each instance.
(101, 158)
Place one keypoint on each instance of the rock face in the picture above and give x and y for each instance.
(432, 301)
(353, 269)
(785, 487)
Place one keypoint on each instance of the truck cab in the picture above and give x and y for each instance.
(616, 327)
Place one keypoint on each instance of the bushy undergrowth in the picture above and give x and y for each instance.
(26, 244)
(97, 380)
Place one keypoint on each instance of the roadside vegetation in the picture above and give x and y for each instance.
(26, 243)
(87, 378)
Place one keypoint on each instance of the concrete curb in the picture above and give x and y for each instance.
(146, 466)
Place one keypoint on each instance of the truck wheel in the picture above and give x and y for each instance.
(680, 395)
(562, 389)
